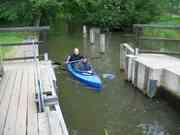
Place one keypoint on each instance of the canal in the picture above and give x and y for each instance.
(119, 109)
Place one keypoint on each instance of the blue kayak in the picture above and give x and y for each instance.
(90, 79)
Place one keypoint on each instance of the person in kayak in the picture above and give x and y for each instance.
(75, 56)
(85, 66)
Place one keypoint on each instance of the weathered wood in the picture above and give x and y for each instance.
(3, 85)
(159, 52)
(22, 58)
(25, 29)
(4, 106)
(44, 73)
(54, 123)
(136, 73)
(18, 115)
(43, 124)
(22, 44)
(32, 119)
(22, 108)
(10, 126)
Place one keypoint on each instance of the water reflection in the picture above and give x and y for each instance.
(152, 129)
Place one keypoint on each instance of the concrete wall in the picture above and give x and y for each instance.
(147, 72)
(171, 82)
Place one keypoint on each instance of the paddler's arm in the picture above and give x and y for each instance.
(67, 60)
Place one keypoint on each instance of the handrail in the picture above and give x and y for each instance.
(21, 44)
(39, 88)
(25, 29)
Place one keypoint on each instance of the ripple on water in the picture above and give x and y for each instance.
(152, 129)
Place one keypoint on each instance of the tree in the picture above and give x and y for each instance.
(111, 13)
(28, 12)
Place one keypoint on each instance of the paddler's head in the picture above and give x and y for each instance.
(76, 51)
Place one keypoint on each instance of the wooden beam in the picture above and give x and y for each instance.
(21, 44)
(159, 52)
(21, 58)
(25, 29)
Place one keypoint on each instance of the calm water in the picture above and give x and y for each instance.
(119, 109)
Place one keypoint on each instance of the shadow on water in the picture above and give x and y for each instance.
(119, 109)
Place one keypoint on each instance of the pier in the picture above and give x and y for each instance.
(28, 100)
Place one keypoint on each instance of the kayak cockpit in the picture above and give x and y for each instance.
(88, 78)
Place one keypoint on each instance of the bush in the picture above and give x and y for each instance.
(111, 13)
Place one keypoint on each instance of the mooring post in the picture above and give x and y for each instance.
(46, 56)
(102, 43)
(84, 31)
(92, 36)
(136, 51)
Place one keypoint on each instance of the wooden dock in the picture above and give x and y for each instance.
(19, 114)
(28, 100)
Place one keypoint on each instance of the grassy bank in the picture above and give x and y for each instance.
(163, 33)
(10, 38)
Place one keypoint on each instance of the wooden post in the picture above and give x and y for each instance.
(84, 31)
(92, 36)
(146, 78)
(138, 33)
(136, 51)
(103, 43)
(136, 73)
(43, 37)
(152, 88)
(46, 56)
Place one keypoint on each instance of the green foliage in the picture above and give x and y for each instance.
(11, 37)
(24, 12)
(173, 6)
(14, 11)
(111, 13)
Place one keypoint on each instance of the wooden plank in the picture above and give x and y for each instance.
(45, 79)
(54, 123)
(22, 108)
(43, 124)
(61, 120)
(22, 58)
(136, 73)
(21, 44)
(6, 100)
(11, 115)
(3, 84)
(32, 119)
(25, 29)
